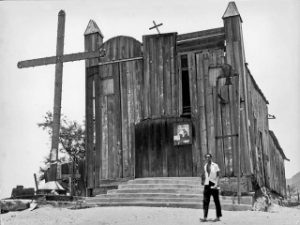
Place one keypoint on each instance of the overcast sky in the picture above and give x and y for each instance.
(28, 30)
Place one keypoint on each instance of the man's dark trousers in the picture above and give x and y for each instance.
(208, 191)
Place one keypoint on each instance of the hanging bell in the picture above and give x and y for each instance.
(228, 81)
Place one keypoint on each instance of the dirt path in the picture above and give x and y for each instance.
(146, 216)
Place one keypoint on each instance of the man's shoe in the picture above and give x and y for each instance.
(203, 220)
(217, 219)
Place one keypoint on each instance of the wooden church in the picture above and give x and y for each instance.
(153, 109)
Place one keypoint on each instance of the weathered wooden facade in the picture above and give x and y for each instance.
(142, 99)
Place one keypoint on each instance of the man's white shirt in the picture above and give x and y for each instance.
(214, 168)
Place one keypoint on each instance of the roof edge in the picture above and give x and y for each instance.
(273, 136)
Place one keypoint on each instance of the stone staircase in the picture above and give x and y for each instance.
(185, 192)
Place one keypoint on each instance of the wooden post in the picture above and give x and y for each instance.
(239, 141)
(36, 182)
(93, 39)
(70, 185)
(235, 57)
(57, 91)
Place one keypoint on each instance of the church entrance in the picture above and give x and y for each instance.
(163, 148)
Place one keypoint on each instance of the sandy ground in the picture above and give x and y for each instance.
(147, 216)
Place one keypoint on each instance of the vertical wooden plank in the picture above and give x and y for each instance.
(184, 161)
(218, 131)
(110, 139)
(193, 84)
(138, 151)
(193, 78)
(136, 89)
(226, 131)
(118, 123)
(172, 151)
(158, 148)
(98, 128)
(124, 111)
(160, 76)
(180, 109)
(167, 77)
(89, 131)
(220, 57)
(201, 98)
(156, 88)
(145, 147)
(146, 86)
(232, 89)
(104, 143)
(208, 107)
(196, 153)
(174, 75)
(130, 114)
(181, 160)
(164, 150)
(209, 112)
(153, 78)
(139, 91)
(150, 148)
(243, 143)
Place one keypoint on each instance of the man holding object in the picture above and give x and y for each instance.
(210, 180)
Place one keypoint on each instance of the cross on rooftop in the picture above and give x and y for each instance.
(156, 26)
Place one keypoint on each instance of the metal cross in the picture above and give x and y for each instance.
(58, 60)
(156, 26)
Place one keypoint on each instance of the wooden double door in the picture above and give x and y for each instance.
(155, 152)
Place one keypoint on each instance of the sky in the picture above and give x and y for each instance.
(28, 30)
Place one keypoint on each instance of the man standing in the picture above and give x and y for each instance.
(211, 187)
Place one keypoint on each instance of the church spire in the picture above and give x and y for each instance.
(92, 28)
(231, 11)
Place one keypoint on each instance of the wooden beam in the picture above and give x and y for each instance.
(61, 59)
(120, 60)
(57, 89)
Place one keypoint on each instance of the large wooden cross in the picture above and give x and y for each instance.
(58, 60)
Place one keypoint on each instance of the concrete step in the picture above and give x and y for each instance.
(160, 186)
(156, 190)
(163, 198)
(150, 195)
(143, 199)
(228, 207)
(167, 180)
